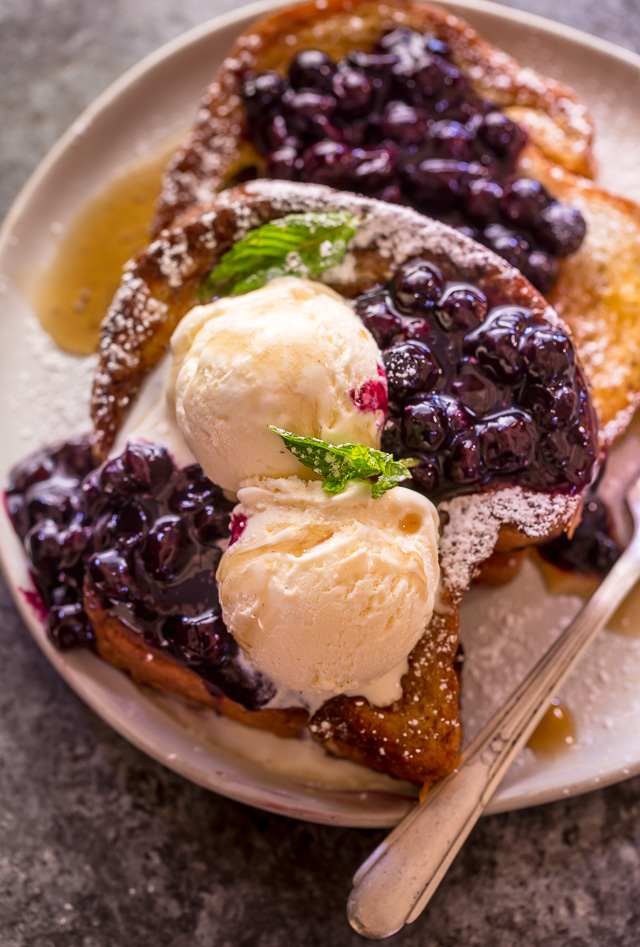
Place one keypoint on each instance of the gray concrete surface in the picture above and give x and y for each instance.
(101, 847)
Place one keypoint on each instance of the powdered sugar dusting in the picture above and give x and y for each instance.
(52, 393)
(473, 522)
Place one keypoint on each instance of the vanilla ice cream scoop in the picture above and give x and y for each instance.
(292, 354)
(329, 594)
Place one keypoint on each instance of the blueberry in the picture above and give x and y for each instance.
(124, 527)
(436, 77)
(373, 168)
(416, 327)
(571, 451)
(261, 92)
(51, 500)
(147, 466)
(560, 229)
(69, 627)
(192, 490)
(482, 200)
(507, 442)
(212, 522)
(304, 110)
(43, 548)
(425, 424)
(35, 469)
(592, 548)
(447, 139)
(168, 549)
(410, 366)
(311, 69)
(93, 496)
(440, 182)
(426, 476)
(76, 457)
(383, 324)
(278, 134)
(111, 574)
(417, 286)
(508, 244)
(17, 510)
(353, 92)
(496, 343)
(403, 124)
(66, 593)
(462, 307)
(328, 162)
(284, 163)
(474, 390)
(547, 355)
(392, 194)
(200, 641)
(252, 691)
(503, 136)
(551, 408)
(74, 542)
(113, 478)
(464, 464)
(392, 435)
(542, 270)
(523, 200)
(458, 420)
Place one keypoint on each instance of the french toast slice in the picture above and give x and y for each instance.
(418, 737)
(595, 288)
(218, 151)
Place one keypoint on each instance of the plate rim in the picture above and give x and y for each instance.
(242, 17)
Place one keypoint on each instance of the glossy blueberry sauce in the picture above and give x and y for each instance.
(483, 395)
(401, 123)
(147, 538)
(593, 549)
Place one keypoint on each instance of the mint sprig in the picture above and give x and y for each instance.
(295, 245)
(339, 464)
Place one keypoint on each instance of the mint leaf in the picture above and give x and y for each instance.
(295, 245)
(339, 464)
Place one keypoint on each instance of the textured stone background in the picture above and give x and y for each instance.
(99, 846)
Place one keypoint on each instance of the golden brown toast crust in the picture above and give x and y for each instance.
(217, 151)
(598, 293)
(120, 646)
(418, 737)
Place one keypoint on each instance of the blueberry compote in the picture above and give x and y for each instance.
(401, 123)
(485, 395)
(146, 537)
(592, 550)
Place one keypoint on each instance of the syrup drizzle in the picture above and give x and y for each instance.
(72, 294)
(555, 732)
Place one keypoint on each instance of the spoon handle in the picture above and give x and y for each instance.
(394, 885)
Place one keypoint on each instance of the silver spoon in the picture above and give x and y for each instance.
(394, 885)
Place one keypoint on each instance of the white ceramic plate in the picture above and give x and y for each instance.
(45, 393)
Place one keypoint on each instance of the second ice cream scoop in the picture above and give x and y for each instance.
(327, 594)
